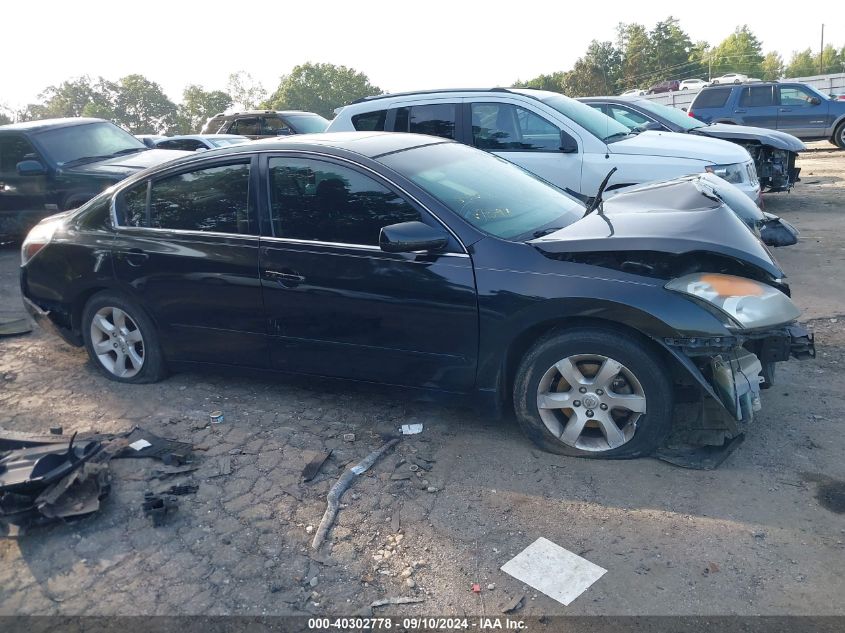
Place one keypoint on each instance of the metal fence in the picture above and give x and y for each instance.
(828, 84)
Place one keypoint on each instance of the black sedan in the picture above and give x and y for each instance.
(424, 263)
(774, 152)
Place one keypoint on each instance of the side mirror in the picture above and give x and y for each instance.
(31, 168)
(649, 125)
(814, 101)
(284, 131)
(568, 145)
(778, 232)
(407, 237)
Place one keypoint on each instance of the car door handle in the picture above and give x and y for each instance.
(284, 277)
(786, 109)
(135, 256)
(740, 111)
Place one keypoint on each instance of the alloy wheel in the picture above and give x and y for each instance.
(117, 342)
(591, 402)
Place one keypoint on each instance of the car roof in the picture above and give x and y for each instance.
(528, 92)
(223, 115)
(45, 124)
(199, 137)
(367, 144)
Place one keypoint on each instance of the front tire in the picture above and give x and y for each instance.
(592, 392)
(121, 339)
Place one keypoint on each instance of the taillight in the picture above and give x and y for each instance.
(38, 238)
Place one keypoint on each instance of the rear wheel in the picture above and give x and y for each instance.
(594, 393)
(839, 136)
(121, 339)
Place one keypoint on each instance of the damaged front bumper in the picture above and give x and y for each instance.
(728, 374)
(775, 167)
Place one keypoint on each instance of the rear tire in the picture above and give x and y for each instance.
(604, 395)
(839, 136)
(121, 339)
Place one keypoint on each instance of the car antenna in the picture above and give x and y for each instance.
(597, 201)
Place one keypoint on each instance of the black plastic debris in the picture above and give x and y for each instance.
(184, 489)
(16, 327)
(313, 467)
(142, 443)
(699, 457)
(158, 507)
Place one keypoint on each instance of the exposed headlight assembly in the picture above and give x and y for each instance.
(734, 173)
(749, 304)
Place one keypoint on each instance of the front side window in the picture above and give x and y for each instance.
(434, 119)
(626, 116)
(795, 96)
(756, 97)
(502, 126)
(14, 149)
(319, 201)
(188, 145)
(273, 126)
(131, 206)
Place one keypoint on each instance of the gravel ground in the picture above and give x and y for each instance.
(763, 534)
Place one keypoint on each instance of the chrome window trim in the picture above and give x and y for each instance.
(361, 247)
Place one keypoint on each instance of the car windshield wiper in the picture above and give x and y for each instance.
(618, 135)
(546, 231)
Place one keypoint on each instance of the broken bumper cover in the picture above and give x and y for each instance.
(44, 320)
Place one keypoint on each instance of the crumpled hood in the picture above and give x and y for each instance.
(123, 166)
(677, 217)
(710, 151)
(773, 138)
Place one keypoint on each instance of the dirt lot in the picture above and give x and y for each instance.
(763, 534)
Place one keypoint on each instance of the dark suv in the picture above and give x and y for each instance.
(792, 107)
(58, 164)
(266, 123)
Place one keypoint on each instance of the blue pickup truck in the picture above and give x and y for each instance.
(791, 107)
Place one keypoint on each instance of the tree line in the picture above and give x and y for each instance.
(141, 106)
(640, 57)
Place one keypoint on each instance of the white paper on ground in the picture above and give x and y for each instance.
(139, 444)
(555, 571)
(411, 429)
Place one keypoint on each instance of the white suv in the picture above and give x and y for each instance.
(557, 138)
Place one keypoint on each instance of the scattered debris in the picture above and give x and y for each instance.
(514, 605)
(411, 429)
(699, 457)
(491, 586)
(348, 437)
(313, 467)
(216, 467)
(216, 417)
(557, 572)
(162, 474)
(711, 568)
(401, 600)
(184, 489)
(476, 588)
(157, 507)
(336, 492)
(171, 452)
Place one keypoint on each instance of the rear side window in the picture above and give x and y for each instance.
(246, 127)
(435, 119)
(714, 98)
(369, 121)
(273, 126)
(214, 199)
(757, 96)
(188, 145)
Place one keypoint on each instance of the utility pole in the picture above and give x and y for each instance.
(821, 54)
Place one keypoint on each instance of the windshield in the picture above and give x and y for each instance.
(307, 123)
(673, 115)
(592, 120)
(91, 140)
(223, 142)
(490, 193)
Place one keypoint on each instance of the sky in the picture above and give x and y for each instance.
(399, 45)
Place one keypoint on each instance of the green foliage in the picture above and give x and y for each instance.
(772, 67)
(553, 82)
(669, 50)
(802, 64)
(198, 105)
(246, 92)
(320, 88)
(740, 52)
(4, 118)
(141, 106)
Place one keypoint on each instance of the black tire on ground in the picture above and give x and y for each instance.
(634, 354)
(153, 367)
(839, 136)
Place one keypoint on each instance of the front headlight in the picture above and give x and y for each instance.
(734, 173)
(750, 304)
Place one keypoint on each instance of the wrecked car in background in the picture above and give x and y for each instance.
(773, 152)
(421, 262)
(58, 164)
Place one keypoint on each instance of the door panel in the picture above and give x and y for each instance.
(23, 199)
(189, 255)
(757, 106)
(798, 116)
(337, 305)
